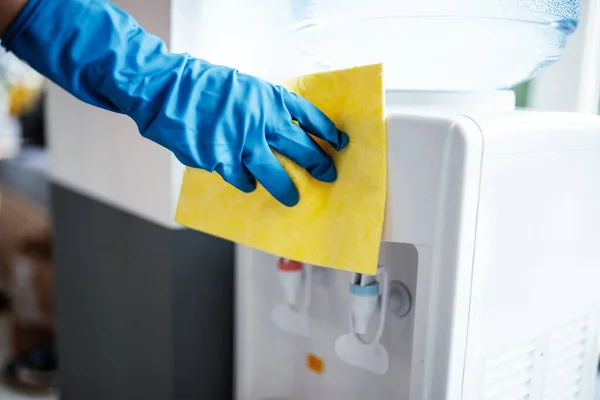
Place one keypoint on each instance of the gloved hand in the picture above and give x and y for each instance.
(209, 116)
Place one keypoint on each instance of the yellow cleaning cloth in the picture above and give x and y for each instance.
(335, 225)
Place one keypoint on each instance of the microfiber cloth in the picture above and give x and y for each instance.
(337, 225)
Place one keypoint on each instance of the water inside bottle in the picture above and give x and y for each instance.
(474, 48)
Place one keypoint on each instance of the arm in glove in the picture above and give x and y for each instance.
(211, 117)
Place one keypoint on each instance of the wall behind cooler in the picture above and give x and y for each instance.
(253, 36)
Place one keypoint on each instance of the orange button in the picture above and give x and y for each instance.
(315, 364)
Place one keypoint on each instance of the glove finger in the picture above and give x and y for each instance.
(299, 147)
(265, 167)
(314, 120)
(237, 176)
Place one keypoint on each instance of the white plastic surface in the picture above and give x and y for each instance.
(361, 311)
(291, 320)
(492, 223)
(291, 282)
(372, 357)
(535, 297)
(292, 316)
(273, 364)
(456, 102)
(351, 347)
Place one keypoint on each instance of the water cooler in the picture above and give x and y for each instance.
(489, 265)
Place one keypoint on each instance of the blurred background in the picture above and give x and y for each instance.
(85, 227)
(26, 297)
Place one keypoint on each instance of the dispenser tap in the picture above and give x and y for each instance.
(293, 316)
(363, 302)
(290, 277)
(352, 347)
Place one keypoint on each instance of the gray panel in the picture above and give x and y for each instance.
(137, 318)
(203, 311)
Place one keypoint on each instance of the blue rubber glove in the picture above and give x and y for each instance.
(211, 117)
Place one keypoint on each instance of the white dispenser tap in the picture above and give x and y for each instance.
(290, 276)
(293, 317)
(352, 347)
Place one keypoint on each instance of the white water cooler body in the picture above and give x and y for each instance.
(490, 249)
